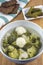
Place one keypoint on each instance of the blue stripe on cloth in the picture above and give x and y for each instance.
(13, 15)
(20, 8)
(2, 0)
(5, 19)
(25, 1)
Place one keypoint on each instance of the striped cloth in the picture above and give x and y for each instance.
(7, 18)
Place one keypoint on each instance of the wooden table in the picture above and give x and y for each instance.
(39, 60)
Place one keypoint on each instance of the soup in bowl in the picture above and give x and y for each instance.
(21, 41)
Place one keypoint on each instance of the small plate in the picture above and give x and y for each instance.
(25, 10)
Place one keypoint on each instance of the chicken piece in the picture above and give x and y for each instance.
(9, 3)
(15, 9)
(6, 10)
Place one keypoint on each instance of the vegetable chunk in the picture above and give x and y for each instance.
(21, 44)
(32, 51)
(13, 54)
(20, 30)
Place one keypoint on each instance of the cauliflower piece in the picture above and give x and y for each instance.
(23, 54)
(10, 48)
(20, 30)
(32, 51)
(20, 42)
(14, 54)
(26, 38)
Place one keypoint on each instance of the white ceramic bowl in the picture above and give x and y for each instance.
(27, 24)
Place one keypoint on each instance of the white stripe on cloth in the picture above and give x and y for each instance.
(0, 3)
(7, 0)
(22, 4)
(2, 22)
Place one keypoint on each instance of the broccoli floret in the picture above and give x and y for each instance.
(32, 51)
(14, 43)
(5, 42)
(33, 38)
(27, 33)
(5, 45)
(14, 54)
(12, 37)
(4, 50)
(27, 46)
(10, 48)
(26, 38)
(37, 44)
